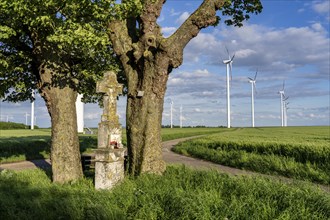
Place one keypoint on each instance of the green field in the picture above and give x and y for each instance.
(19, 145)
(297, 152)
(181, 193)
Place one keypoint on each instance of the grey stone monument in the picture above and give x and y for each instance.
(109, 155)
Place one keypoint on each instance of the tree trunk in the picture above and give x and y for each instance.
(143, 122)
(65, 154)
(148, 58)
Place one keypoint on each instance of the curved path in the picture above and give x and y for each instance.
(170, 158)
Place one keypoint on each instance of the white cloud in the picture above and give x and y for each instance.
(198, 83)
(167, 31)
(273, 50)
(174, 13)
(244, 53)
(318, 27)
(183, 17)
(321, 7)
(91, 116)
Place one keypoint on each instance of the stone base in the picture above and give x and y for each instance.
(109, 167)
(107, 175)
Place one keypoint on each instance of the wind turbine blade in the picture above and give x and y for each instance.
(232, 58)
(227, 51)
(283, 85)
(255, 77)
(250, 78)
(255, 88)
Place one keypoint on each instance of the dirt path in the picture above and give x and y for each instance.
(170, 158)
(42, 163)
(173, 158)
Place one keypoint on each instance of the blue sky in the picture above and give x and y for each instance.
(288, 41)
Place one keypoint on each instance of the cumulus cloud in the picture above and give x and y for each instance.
(198, 83)
(273, 50)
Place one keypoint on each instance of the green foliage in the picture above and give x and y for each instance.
(301, 152)
(239, 10)
(180, 193)
(70, 36)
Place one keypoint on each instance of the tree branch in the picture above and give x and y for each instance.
(203, 17)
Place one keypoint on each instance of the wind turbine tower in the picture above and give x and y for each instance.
(181, 116)
(80, 114)
(32, 111)
(253, 90)
(171, 114)
(281, 92)
(229, 76)
(285, 106)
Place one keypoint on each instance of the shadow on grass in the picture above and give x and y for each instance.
(24, 148)
(31, 195)
(13, 149)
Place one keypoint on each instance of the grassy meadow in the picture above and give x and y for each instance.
(181, 193)
(24, 144)
(296, 152)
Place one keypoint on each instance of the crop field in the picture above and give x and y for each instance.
(296, 152)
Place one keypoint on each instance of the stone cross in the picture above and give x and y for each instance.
(111, 88)
(109, 155)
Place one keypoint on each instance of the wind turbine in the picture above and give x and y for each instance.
(229, 73)
(285, 108)
(253, 90)
(181, 116)
(281, 92)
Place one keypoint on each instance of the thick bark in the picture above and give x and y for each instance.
(148, 58)
(65, 154)
(144, 117)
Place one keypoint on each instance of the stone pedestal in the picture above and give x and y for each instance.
(109, 167)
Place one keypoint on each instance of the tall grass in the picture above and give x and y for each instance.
(180, 193)
(302, 153)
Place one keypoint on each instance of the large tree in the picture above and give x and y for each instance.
(58, 48)
(148, 58)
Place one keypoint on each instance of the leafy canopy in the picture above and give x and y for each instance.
(71, 35)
